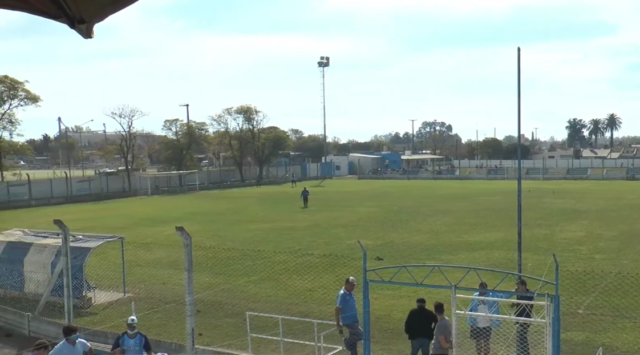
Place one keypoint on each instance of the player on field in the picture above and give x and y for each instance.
(293, 180)
(304, 195)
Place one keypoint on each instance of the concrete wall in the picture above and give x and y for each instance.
(550, 163)
(32, 193)
(36, 327)
(340, 165)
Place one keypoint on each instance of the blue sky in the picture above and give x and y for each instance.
(392, 61)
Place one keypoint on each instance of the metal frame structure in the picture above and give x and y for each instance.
(169, 174)
(455, 284)
(318, 336)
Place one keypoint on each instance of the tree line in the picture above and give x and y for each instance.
(242, 136)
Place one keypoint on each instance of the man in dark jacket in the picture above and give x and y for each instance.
(523, 310)
(419, 327)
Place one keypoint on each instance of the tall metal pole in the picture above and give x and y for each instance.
(477, 146)
(59, 138)
(81, 153)
(104, 125)
(519, 174)
(66, 138)
(324, 116)
(189, 289)
(413, 137)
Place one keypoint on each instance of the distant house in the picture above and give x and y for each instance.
(591, 153)
(557, 154)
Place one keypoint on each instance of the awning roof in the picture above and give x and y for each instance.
(420, 157)
(80, 15)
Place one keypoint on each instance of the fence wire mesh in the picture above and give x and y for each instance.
(483, 326)
(231, 282)
(600, 309)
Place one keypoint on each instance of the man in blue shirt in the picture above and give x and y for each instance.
(132, 342)
(305, 197)
(72, 344)
(346, 314)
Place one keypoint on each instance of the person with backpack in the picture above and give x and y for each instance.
(132, 342)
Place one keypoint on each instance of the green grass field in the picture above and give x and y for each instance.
(257, 250)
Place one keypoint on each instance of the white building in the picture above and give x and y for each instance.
(366, 162)
(340, 164)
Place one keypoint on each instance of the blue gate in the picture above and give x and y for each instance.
(457, 278)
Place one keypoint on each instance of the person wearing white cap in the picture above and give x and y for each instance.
(132, 342)
(346, 314)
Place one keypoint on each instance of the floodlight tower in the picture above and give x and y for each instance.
(323, 64)
(187, 106)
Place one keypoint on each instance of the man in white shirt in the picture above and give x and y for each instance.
(72, 344)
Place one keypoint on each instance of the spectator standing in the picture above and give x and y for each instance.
(481, 328)
(442, 342)
(346, 314)
(419, 327)
(523, 310)
(72, 344)
(132, 342)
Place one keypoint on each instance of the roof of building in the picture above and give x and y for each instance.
(364, 155)
(420, 157)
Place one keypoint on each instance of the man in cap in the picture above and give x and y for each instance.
(346, 314)
(419, 327)
(132, 342)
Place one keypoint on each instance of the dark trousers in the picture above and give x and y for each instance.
(522, 338)
(305, 201)
(355, 335)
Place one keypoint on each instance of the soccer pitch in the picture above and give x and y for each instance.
(257, 250)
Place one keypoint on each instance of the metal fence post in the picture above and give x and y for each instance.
(556, 310)
(189, 295)
(366, 307)
(66, 270)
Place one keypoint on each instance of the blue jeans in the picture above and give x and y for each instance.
(420, 344)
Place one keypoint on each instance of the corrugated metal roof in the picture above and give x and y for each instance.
(364, 156)
(420, 157)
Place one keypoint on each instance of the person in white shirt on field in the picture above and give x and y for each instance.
(72, 344)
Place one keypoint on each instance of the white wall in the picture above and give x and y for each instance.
(340, 165)
(551, 163)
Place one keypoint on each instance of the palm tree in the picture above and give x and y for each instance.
(575, 130)
(612, 124)
(596, 129)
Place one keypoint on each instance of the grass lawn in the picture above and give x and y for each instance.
(256, 250)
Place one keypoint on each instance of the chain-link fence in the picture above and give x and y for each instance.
(600, 309)
(291, 295)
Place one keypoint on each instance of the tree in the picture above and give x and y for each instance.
(267, 143)
(434, 134)
(612, 123)
(595, 130)
(151, 144)
(575, 131)
(511, 151)
(125, 117)
(509, 139)
(108, 151)
(177, 148)
(14, 97)
(470, 150)
(491, 148)
(232, 127)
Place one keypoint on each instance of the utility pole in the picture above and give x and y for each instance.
(60, 137)
(187, 106)
(519, 185)
(413, 137)
(477, 146)
(323, 64)
(104, 126)
(536, 133)
(66, 137)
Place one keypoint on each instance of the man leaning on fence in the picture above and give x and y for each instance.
(346, 314)
(419, 327)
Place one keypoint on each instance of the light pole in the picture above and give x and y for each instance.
(323, 64)
(413, 137)
(81, 149)
(187, 106)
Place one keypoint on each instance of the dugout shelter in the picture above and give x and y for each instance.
(30, 267)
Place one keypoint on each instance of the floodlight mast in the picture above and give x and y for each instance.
(187, 106)
(323, 64)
